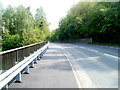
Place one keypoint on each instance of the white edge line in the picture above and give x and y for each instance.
(79, 85)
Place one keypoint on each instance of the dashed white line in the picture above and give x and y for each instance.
(93, 50)
(110, 55)
(100, 52)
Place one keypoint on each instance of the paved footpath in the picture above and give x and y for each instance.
(52, 71)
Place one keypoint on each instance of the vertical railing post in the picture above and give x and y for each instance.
(18, 78)
(30, 49)
(6, 66)
(32, 64)
(38, 57)
(41, 55)
(16, 57)
(5, 87)
(35, 60)
(26, 70)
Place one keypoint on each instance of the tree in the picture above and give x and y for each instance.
(41, 22)
(25, 20)
(21, 28)
(98, 20)
(11, 41)
(1, 10)
(40, 18)
(17, 20)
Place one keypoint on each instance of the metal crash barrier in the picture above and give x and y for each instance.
(19, 60)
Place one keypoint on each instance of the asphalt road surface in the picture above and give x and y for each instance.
(94, 65)
(52, 71)
(73, 66)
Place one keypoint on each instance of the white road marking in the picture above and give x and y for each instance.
(83, 80)
(88, 58)
(94, 50)
(110, 55)
(78, 83)
(98, 51)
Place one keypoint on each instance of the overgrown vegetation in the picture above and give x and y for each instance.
(21, 27)
(97, 20)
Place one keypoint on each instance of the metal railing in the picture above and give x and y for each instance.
(18, 60)
(9, 58)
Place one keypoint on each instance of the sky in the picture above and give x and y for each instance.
(54, 9)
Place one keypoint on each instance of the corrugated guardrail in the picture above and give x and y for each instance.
(33, 53)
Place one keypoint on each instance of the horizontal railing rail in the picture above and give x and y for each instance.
(24, 58)
(10, 57)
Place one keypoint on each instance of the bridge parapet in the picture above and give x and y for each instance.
(16, 61)
(83, 40)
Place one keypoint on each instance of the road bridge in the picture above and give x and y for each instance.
(74, 66)
(52, 71)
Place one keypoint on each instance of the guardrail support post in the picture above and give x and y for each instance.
(38, 57)
(26, 70)
(35, 61)
(18, 78)
(20, 54)
(32, 64)
(41, 55)
(5, 87)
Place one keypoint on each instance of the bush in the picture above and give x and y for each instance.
(11, 41)
(31, 36)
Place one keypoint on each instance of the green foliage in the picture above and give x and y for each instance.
(32, 36)
(21, 28)
(98, 20)
(11, 41)
(17, 20)
(1, 10)
(54, 35)
(40, 18)
(41, 23)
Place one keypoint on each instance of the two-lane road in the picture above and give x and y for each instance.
(94, 65)
(73, 66)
